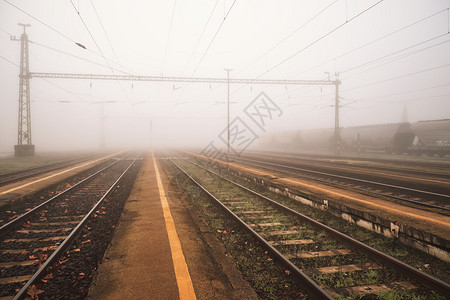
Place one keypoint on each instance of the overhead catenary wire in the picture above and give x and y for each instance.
(196, 46)
(313, 97)
(399, 51)
(396, 77)
(5, 31)
(314, 42)
(11, 62)
(106, 34)
(321, 38)
(54, 29)
(168, 35)
(289, 35)
(92, 37)
(43, 23)
(404, 93)
(200, 37)
(212, 40)
(394, 59)
(98, 47)
(390, 54)
(78, 57)
(384, 103)
(373, 41)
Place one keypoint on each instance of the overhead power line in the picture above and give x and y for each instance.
(104, 31)
(404, 93)
(314, 42)
(214, 37)
(43, 23)
(168, 36)
(396, 58)
(390, 61)
(399, 51)
(397, 77)
(383, 57)
(57, 31)
(373, 41)
(54, 29)
(321, 38)
(92, 37)
(384, 103)
(78, 57)
(200, 37)
(289, 35)
(5, 31)
(11, 62)
(98, 47)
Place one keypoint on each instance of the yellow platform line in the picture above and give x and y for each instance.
(53, 175)
(184, 282)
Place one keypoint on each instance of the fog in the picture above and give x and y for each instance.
(392, 57)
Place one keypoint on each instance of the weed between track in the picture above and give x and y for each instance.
(239, 252)
(269, 279)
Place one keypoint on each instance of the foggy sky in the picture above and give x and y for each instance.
(381, 76)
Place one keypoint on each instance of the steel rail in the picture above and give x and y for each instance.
(60, 250)
(319, 160)
(360, 180)
(372, 159)
(311, 286)
(422, 277)
(6, 227)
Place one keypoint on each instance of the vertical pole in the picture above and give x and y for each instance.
(24, 145)
(228, 109)
(358, 139)
(102, 126)
(337, 135)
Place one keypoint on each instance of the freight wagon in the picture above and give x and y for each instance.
(431, 138)
(424, 137)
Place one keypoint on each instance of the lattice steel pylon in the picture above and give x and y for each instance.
(24, 145)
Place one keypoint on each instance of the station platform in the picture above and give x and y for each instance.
(20, 189)
(163, 250)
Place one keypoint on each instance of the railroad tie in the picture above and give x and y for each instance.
(265, 224)
(345, 268)
(291, 242)
(372, 288)
(10, 264)
(320, 253)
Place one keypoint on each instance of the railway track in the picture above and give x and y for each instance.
(438, 163)
(33, 243)
(326, 261)
(364, 182)
(409, 167)
(10, 177)
(12, 209)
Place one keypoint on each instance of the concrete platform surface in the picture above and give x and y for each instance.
(144, 261)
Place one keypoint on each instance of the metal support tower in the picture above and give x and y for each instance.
(24, 145)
